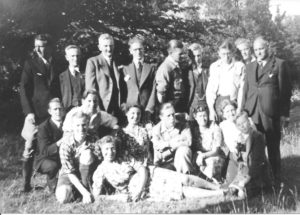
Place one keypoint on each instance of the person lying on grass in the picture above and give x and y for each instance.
(125, 179)
(76, 155)
(250, 161)
(119, 174)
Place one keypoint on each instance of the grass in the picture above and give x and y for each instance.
(13, 201)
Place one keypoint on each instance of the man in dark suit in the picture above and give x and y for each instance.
(47, 153)
(140, 79)
(39, 83)
(71, 80)
(267, 93)
(102, 75)
(172, 80)
(198, 78)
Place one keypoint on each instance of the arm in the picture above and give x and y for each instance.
(151, 102)
(90, 75)
(158, 143)
(241, 90)
(87, 197)
(182, 139)
(107, 120)
(244, 89)
(26, 89)
(211, 91)
(46, 144)
(162, 81)
(98, 179)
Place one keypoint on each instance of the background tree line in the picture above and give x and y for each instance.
(81, 21)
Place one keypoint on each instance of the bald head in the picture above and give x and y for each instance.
(260, 46)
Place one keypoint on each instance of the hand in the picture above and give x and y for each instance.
(116, 127)
(200, 160)
(213, 115)
(30, 118)
(87, 198)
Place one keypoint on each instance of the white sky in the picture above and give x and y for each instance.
(292, 7)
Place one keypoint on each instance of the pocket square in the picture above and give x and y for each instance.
(271, 75)
(39, 74)
(127, 77)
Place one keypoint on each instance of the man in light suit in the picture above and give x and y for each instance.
(140, 79)
(39, 84)
(102, 75)
(267, 93)
(71, 80)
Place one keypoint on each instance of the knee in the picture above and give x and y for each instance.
(183, 151)
(64, 194)
(142, 172)
(86, 157)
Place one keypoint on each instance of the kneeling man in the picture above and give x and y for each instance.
(172, 141)
(76, 157)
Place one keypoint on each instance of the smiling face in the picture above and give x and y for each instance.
(79, 128)
(245, 51)
(106, 47)
(137, 51)
(108, 151)
(133, 115)
(202, 118)
(243, 124)
(229, 112)
(56, 111)
(90, 104)
(73, 57)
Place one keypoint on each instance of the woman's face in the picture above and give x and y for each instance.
(243, 124)
(202, 118)
(133, 115)
(108, 151)
(90, 103)
(229, 112)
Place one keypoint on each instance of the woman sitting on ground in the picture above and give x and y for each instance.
(207, 141)
(125, 179)
(134, 138)
(98, 119)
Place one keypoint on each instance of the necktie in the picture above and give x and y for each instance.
(139, 72)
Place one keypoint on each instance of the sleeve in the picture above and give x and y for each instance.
(107, 120)
(90, 75)
(98, 179)
(162, 79)
(66, 158)
(244, 89)
(158, 142)
(217, 137)
(285, 88)
(212, 87)
(241, 87)
(186, 136)
(151, 102)
(26, 89)
(46, 144)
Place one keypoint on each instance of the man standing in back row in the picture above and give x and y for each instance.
(267, 93)
(102, 75)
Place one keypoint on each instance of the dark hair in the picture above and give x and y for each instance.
(201, 108)
(242, 114)
(44, 37)
(136, 39)
(225, 103)
(54, 100)
(165, 106)
(126, 107)
(88, 92)
(107, 139)
(227, 44)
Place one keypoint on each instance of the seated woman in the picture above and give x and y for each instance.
(134, 138)
(207, 141)
(99, 120)
(76, 155)
(250, 161)
(125, 179)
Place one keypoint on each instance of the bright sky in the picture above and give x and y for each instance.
(292, 7)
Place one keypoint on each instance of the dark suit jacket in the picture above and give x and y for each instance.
(144, 93)
(192, 83)
(97, 77)
(37, 87)
(47, 136)
(66, 88)
(267, 95)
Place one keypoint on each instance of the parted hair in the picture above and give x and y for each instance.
(72, 46)
(103, 37)
(136, 39)
(44, 37)
(173, 44)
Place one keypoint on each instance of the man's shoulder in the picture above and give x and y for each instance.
(157, 128)
(96, 58)
(166, 65)
(45, 124)
(63, 74)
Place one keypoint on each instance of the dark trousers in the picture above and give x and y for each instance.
(50, 167)
(273, 146)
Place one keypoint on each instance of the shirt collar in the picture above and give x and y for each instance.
(74, 70)
(108, 60)
(44, 60)
(136, 63)
(173, 61)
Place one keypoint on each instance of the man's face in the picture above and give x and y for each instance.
(225, 55)
(137, 51)
(79, 128)
(197, 57)
(133, 116)
(56, 111)
(107, 47)
(73, 56)
(245, 51)
(243, 124)
(177, 55)
(168, 117)
(42, 48)
(108, 151)
(90, 103)
(260, 50)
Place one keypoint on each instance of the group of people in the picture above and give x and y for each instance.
(102, 132)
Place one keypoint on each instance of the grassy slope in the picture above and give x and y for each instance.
(12, 201)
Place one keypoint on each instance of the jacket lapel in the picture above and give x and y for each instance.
(145, 73)
(117, 74)
(192, 82)
(132, 74)
(265, 69)
(104, 65)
